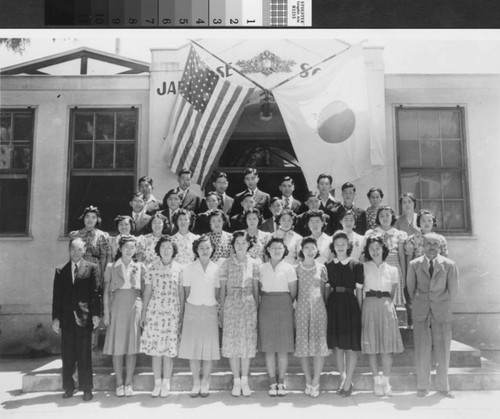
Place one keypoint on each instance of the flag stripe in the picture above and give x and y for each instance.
(182, 116)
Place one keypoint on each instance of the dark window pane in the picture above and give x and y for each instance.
(125, 126)
(13, 205)
(450, 124)
(103, 156)
(428, 124)
(84, 126)
(437, 209)
(410, 182)
(125, 155)
(21, 157)
(82, 155)
(5, 157)
(259, 153)
(409, 154)
(5, 128)
(454, 215)
(23, 127)
(431, 185)
(105, 127)
(408, 125)
(452, 185)
(431, 153)
(452, 153)
(111, 194)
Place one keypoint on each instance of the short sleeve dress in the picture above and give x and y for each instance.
(161, 334)
(239, 333)
(146, 246)
(97, 246)
(344, 314)
(222, 243)
(310, 312)
(414, 246)
(184, 244)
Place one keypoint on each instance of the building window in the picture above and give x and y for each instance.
(433, 163)
(16, 150)
(103, 153)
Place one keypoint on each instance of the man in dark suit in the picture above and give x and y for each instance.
(348, 195)
(262, 199)
(432, 283)
(270, 225)
(139, 215)
(75, 313)
(327, 202)
(189, 199)
(220, 184)
(287, 186)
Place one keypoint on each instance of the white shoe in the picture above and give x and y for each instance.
(315, 391)
(281, 390)
(377, 386)
(157, 388)
(245, 388)
(386, 387)
(120, 391)
(236, 392)
(273, 390)
(307, 391)
(128, 390)
(165, 388)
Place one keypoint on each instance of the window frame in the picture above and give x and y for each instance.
(464, 169)
(86, 172)
(29, 173)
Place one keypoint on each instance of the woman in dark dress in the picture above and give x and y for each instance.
(344, 291)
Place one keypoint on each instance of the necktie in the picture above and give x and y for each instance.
(75, 272)
(221, 201)
(287, 203)
(431, 268)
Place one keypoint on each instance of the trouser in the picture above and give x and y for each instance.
(76, 348)
(429, 334)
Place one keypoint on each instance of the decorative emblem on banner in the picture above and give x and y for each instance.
(266, 63)
(4, 156)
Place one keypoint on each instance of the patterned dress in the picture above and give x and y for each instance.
(310, 312)
(146, 247)
(292, 242)
(414, 246)
(161, 335)
(371, 216)
(184, 244)
(257, 250)
(239, 336)
(97, 246)
(358, 244)
(392, 238)
(222, 243)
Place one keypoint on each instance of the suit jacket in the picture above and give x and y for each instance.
(141, 224)
(67, 296)
(190, 201)
(114, 275)
(268, 226)
(295, 205)
(331, 204)
(227, 207)
(261, 199)
(434, 294)
(337, 215)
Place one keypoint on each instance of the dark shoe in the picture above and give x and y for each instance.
(340, 391)
(68, 393)
(447, 394)
(347, 393)
(87, 396)
(422, 393)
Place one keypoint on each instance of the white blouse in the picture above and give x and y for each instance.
(379, 278)
(277, 279)
(202, 283)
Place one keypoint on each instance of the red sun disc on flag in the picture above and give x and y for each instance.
(336, 122)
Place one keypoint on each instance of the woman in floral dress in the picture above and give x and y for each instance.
(161, 314)
(414, 246)
(220, 239)
(125, 225)
(184, 238)
(239, 276)
(259, 238)
(394, 239)
(146, 244)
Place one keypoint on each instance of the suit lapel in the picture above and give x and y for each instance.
(424, 266)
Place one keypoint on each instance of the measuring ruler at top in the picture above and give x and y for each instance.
(178, 13)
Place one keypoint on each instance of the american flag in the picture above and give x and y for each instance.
(205, 113)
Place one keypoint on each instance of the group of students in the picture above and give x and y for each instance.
(279, 286)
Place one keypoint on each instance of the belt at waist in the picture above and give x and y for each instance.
(378, 294)
(343, 289)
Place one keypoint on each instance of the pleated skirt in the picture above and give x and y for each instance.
(380, 332)
(276, 333)
(200, 333)
(124, 332)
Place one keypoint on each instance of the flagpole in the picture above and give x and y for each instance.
(310, 68)
(229, 65)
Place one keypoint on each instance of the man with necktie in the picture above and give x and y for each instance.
(432, 283)
(287, 186)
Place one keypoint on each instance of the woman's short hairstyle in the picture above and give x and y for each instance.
(128, 218)
(286, 212)
(311, 194)
(253, 211)
(306, 240)
(179, 212)
(145, 179)
(213, 193)
(375, 189)
(386, 208)
(408, 195)
(426, 212)
(348, 212)
(198, 241)
(95, 210)
(241, 233)
(315, 213)
(341, 235)
(216, 213)
(163, 239)
(160, 216)
(168, 195)
(273, 200)
(375, 238)
(124, 240)
(275, 240)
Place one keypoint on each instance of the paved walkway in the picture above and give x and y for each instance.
(220, 405)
